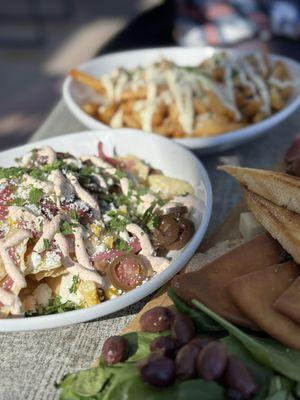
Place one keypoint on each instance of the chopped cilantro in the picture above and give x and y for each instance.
(75, 281)
(122, 245)
(73, 214)
(55, 306)
(149, 219)
(47, 244)
(86, 170)
(18, 202)
(120, 174)
(117, 222)
(35, 195)
(66, 228)
(12, 172)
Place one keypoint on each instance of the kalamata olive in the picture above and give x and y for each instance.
(212, 361)
(236, 376)
(185, 362)
(158, 319)
(158, 370)
(186, 231)
(183, 329)
(128, 271)
(177, 211)
(115, 349)
(233, 394)
(167, 232)
(201, 341)
(166, 345)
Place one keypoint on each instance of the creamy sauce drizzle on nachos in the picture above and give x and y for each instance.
(78, 231)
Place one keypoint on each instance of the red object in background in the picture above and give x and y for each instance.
(215, 11)
(211, 34)
(292, 158)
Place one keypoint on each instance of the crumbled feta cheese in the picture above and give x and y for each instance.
(52, 260)
(42, 294)
(64, 291)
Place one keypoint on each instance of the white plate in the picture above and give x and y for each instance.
(161, 153)
(75, 94)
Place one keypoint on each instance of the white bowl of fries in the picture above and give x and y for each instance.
(225, 101)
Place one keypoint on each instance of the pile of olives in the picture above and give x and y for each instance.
(183, 355)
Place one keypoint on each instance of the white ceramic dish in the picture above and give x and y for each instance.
(161, 153)
(75, 94)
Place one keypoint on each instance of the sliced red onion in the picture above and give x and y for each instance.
(135, 244)
(7, 283)
(115, 163)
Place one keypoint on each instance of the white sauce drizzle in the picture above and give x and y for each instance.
(17, 238)
(80, 249)
(62, 187)
(100, 163)
(76, 268)
(49, 230)
(261, 87)
(11, 268)
(84, 195)
(158, 263)
(49, 153)
(46, 187)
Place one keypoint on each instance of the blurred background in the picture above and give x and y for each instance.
(40, 40)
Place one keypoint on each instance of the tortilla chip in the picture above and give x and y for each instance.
(255, 293)
(288, 303)
(54, 284)
(36, 263)
(50, 273)
(208, 285)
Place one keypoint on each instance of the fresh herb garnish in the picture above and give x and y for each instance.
(117, 221)
(66, 228)
(12, 172)
(35, 195)
(73, 214)
(75, 281)
(149, 218)
(55, 306)
(122, 245)
(47, 244)
(120, 174)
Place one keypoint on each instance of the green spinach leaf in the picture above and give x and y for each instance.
(266, 351)
(203, 322)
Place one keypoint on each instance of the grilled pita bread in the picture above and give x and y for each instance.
(288, 303)
(281, 223)
(280, 188)
(255, 293)
(208, 284)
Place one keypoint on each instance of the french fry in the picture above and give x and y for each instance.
(105, 113)
(88, 80)
(276, 101)
(91, 109)
(138, 94)
(251, 108)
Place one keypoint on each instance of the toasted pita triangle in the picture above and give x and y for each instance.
(288, 303)
(280, 188)
(282, 224)
(208, 284)
(255, 293)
